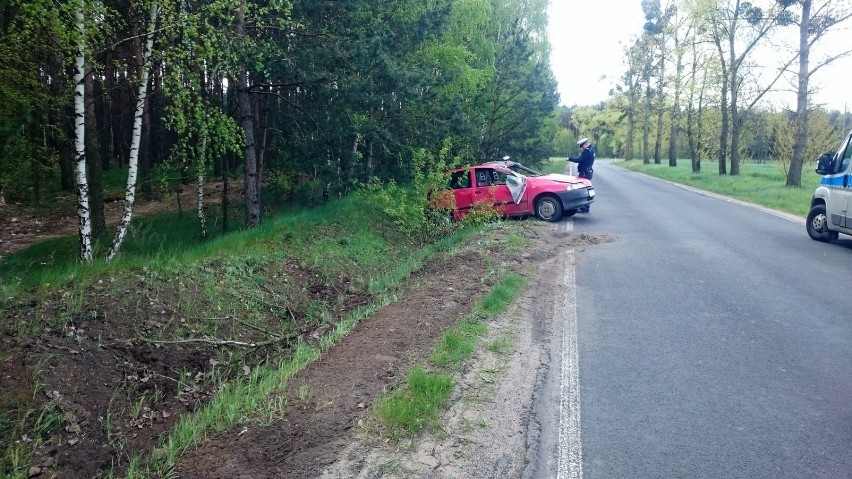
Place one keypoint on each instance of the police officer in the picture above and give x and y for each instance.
(584, 163)
(585, 160)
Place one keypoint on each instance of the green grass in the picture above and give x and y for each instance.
(406, 410)
(761, 184)
(459, 343)
(344, 236)
(501, 296)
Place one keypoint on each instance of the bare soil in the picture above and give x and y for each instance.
(114, 393)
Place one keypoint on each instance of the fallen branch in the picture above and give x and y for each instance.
(222, 342)
(258, 329)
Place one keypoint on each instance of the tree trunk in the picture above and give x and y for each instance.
(60, 118)
(675, 112)
(736, 124)
(104, 119)
(225, 195)
(794, 174)
(723, 105)
(143, 155)
(85, 226)
(202, 220)
(261, 154)
(646, 125)
(130, 191)
(369, 173)
(628, 142)
(673, 135)
(252, 188)
(102, 90)
(93, 160)
(661, 99)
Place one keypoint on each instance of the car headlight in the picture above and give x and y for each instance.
(576, 186)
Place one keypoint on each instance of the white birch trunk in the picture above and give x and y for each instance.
(83, 213)
(133, 161)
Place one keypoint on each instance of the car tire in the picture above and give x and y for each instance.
(548, 208)
(817, 225)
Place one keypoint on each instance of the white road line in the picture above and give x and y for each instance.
(570, 446)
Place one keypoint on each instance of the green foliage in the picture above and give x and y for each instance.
(501, 296)
(409, 409)
(408, 207)
(459, 343)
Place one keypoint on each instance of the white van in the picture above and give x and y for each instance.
(830, 207)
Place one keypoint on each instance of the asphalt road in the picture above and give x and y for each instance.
(714, 340)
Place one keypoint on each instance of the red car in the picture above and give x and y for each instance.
(512, 189)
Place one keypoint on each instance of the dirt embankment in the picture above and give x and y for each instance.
(485, 431)
(94, 368)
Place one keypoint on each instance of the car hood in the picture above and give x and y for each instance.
(559, 178)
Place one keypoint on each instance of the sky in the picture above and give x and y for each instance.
(588, 37)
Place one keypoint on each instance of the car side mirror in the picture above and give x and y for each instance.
(825, 164)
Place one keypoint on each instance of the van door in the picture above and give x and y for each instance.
(840, 183)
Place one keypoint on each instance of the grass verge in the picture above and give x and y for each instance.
(408, 409)
(761, 184)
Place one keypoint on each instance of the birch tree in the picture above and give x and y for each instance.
(736, 28)
(657, 21)
(700, 71)
(84, 224)
(816, 19)
(141, 97)
(632, 79)
(682, 33)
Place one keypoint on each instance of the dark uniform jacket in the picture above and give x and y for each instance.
(585, 162)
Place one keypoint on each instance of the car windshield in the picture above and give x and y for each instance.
(523, 170)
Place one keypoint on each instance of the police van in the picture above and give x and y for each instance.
(830, 206)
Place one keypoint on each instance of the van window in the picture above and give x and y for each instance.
(846, 157)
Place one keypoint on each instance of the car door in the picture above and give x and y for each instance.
(491, 191)
(462, 188)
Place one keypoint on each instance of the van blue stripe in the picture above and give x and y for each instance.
(832, 181)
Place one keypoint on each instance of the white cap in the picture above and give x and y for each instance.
(582, 142)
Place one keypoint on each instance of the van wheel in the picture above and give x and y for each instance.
(817, 225)
(548, 208)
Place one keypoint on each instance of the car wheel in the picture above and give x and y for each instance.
(548, 208)
(817, 225)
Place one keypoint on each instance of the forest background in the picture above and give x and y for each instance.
(299, 101)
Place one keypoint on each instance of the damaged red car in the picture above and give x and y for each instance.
(513, 190)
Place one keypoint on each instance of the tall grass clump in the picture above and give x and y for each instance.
(407, 410)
